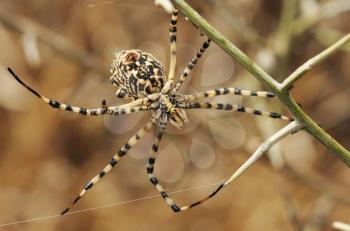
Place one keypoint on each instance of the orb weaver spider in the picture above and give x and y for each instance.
(141, 78)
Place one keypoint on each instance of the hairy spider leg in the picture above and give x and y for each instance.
(190, 66)
(238, 108)
(135, 106)
(123, 151)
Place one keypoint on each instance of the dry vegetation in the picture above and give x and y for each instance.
(64, 48)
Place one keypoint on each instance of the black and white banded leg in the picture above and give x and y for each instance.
(115, 159)
(190, 66)
(150, 170)
(172, 34)
(225, 91)
(135, 106)
(153, 179)
(236, 107)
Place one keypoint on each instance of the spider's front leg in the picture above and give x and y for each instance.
(172, 34)
(115, 159)
(190, 66)
(235, 107)
(134, 106)
(224, 91)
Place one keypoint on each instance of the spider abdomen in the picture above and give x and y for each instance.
(137, 74)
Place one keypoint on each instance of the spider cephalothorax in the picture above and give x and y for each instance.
(168, 109)
(139, 74)
(136, 74)
(141, 77)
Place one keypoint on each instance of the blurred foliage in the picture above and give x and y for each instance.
(64, 48)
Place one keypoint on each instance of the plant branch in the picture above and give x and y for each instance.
(310, 125)
(225, 44)
(298, 73)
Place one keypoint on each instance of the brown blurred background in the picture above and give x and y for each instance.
(64, 49)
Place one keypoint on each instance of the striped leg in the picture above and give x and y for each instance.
(225, 91)
(155, 182)
(264, 147)
(190, 66)
(205, 198)
(172, 31)
(150, 169)
(122, 111)
(238, 108)
(131, 142)
(135, 106)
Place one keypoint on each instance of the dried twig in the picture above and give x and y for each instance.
(291, 128)
(298, 73)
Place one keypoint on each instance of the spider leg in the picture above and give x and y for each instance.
(150, 169)
(225, 91)
(115, 159)
(238, 108)
(190, 66)
(135, 106)
(121, 111)
(172, 31)
(153, 179)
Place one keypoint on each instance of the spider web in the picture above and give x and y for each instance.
(43, 218)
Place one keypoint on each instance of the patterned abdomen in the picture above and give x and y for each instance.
(136, 74)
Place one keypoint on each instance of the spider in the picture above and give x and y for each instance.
(141, 78)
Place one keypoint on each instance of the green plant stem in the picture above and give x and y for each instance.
(225, 44)
(309, 125)
(298, 73)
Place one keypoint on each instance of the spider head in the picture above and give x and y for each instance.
(176, 116)
(136, 74)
